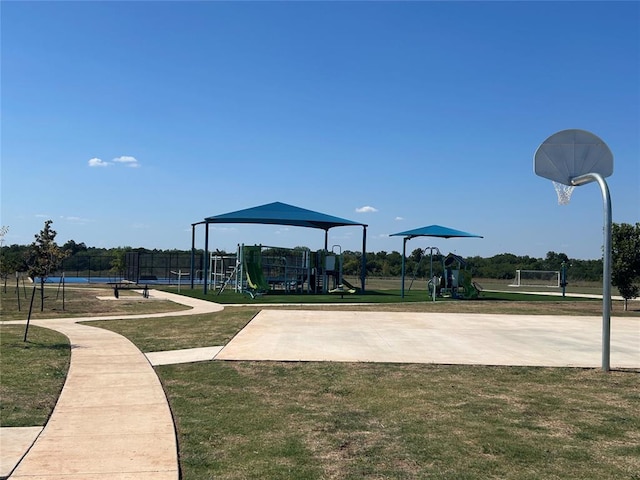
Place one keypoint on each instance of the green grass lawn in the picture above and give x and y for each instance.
(293, 420)
(31, 374)
(271, 420)
(418, 301)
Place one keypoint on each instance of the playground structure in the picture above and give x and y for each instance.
(276, 213)
(259, 269)
(451, 279)
(457, 282)
(439, 232)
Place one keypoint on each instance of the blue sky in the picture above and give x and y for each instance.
(126, 122)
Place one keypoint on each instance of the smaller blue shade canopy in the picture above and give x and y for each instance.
(435, 231)
(430, 231)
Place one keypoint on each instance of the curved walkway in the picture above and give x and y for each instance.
(112, 419)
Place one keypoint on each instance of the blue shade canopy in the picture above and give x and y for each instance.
(435, 231)
(278, 213)
(430, 231)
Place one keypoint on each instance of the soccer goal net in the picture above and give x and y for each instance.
(537, 278)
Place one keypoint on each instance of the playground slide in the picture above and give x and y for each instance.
(348, 287)
(470, 290)
(255, 279)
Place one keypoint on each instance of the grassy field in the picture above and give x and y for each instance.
(33, 373)
(514, 302)
(293, 420)
(246, 420)
(94, 300)
(390, 283)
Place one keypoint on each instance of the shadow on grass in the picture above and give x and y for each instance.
(19, 343)
(44, 346)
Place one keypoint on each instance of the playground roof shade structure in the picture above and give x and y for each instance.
(430, 231)
(434, 231)
(278, 213)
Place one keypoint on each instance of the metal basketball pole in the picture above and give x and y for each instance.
(606, 264)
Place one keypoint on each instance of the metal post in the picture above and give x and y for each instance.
(431, 262)
(431, 277)
(363, 273)
(206, 257)
(193, 254)
(404, 254)
(606, 266)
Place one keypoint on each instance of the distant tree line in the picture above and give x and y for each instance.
(44, 257)
(83, 260)
(503, 266)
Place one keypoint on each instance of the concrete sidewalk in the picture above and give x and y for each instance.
(112, 420)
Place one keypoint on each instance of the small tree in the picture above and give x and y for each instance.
(625, 261)
(44, 257)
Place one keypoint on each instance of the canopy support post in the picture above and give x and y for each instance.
(363, 270)
(205, 267)
(193, 253)
(404, 254)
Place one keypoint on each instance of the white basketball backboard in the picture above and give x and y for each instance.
(570, 153)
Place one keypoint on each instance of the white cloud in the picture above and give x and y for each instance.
(97, 162)
(366, 209)
(77, 220)
(127, 160)
(399, 219)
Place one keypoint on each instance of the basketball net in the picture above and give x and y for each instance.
(564, 192)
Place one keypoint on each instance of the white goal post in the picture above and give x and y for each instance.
(537, 278)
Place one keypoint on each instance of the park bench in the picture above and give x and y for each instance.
(127, 285)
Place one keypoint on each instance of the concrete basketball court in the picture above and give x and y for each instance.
(468, 339)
